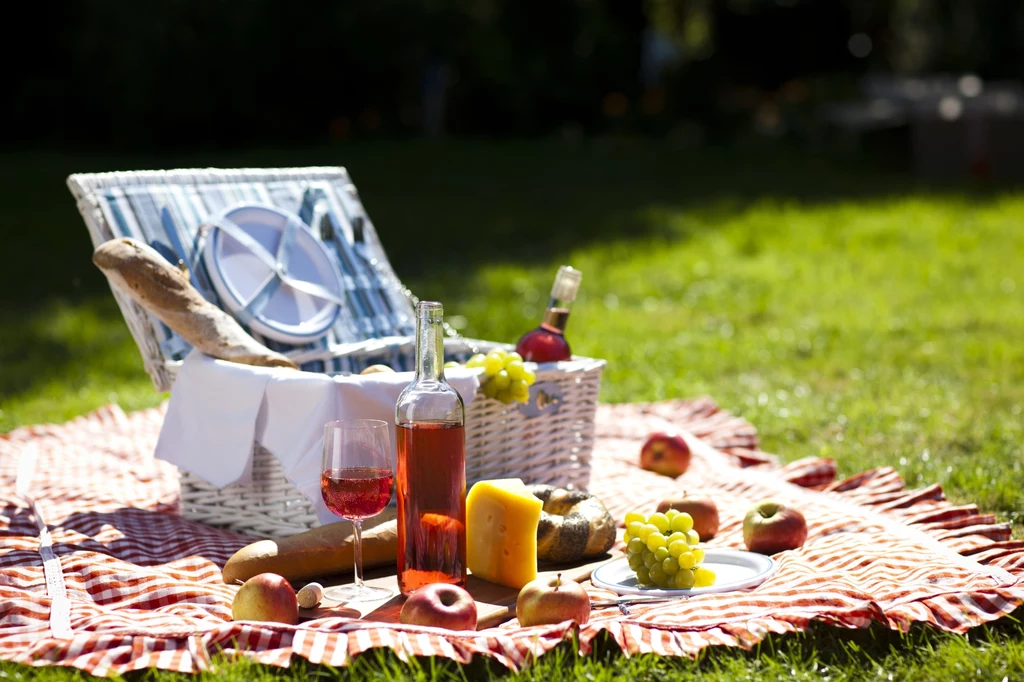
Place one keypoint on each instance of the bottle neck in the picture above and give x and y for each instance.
(556, 317)
(429, 348)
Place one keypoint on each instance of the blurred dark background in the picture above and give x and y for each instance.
(490, 139)
(535, 125)
(128, 75)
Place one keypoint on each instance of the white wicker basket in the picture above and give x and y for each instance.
(551, 445)
(548, 441)
(501, 442)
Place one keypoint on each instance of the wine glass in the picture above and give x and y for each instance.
(357, 480)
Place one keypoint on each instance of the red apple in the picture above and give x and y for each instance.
(772, 527)
(440, 605)
(703, 510)
(546, 601)
(665, 454)
(266, 597)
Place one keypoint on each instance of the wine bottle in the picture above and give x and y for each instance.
(431, 484)
(547, 342)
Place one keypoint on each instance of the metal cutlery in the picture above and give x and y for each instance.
(625, 601)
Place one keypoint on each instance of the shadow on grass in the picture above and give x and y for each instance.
(444, 208)
(66, 342)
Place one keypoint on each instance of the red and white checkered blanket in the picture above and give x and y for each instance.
(144, 589)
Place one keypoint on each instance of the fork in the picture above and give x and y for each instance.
(624, 602)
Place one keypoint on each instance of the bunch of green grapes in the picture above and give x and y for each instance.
(505, 378)
(664, 551)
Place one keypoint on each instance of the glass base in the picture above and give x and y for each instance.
(354, 593)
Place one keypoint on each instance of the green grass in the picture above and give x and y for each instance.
(845, 312)
(989, 653)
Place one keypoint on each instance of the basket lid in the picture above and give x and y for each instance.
(272, 273)
(171, 210)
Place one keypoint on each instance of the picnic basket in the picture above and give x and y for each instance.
(547, 441)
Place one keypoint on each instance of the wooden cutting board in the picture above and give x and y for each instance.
(494, 603)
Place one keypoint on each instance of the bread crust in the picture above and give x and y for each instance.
(316, 553)
(147, 278)
(573, 525)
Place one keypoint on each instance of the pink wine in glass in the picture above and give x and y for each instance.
(547, 342)
(357, 492)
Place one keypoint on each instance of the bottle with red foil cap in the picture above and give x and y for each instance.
(547, 342)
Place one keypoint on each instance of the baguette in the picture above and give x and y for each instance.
(142, 273)
(315, 553)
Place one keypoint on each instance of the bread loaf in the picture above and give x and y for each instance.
(573, 525)
(142, 273)
(316, 553)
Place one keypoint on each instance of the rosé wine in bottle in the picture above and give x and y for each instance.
(547, 342)
(431, 482)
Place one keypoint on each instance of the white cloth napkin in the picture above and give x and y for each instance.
(218, 408)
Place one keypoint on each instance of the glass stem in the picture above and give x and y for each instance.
(357, 552)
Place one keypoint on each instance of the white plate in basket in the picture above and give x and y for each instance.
(269, 280)
(734, 570)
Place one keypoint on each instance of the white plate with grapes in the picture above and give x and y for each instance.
(665, 558)
(722, 570)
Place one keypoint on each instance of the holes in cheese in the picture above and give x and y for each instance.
(501, 531)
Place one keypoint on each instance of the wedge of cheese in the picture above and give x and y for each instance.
(501, 532)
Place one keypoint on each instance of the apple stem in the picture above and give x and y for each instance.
(558, 580)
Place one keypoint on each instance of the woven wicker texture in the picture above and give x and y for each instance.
(501, 442)
(166, 208)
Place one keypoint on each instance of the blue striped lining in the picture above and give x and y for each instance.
(167, 216)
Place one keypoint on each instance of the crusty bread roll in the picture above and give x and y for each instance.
(143, 274)
(573, 525)
(315, 553)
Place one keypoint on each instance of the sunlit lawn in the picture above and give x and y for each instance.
(845, 312)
